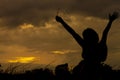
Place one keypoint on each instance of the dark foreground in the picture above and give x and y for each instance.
(80, 72)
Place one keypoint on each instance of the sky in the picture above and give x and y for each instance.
(30, 34)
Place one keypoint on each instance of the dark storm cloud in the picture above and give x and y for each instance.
(96, 7)
(36, 12)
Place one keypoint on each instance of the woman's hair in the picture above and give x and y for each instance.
(90, 35)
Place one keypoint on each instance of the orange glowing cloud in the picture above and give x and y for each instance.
(63, 52)
(26, 26)
(22, 60)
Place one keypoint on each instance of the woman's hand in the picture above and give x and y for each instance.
(58, 19)
(113, 16)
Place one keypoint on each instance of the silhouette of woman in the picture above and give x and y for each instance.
(93, 49)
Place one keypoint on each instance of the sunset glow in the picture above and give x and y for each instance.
(63, 51)
(22, 60)
(26, 26)
(58, 52)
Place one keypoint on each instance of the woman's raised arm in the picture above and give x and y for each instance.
(112, 17)
(70, 30)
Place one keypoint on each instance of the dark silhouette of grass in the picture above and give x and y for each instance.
(80, 72)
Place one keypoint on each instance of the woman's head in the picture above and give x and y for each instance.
(90, 35)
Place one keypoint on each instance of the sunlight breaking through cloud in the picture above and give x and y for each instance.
(63, 52)
(26, 26)
(22, 60)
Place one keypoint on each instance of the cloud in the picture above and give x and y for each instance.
(39, 42)
(22, 60)
(36, 12)
(16, 12)
(64, 51)
(95, 7)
